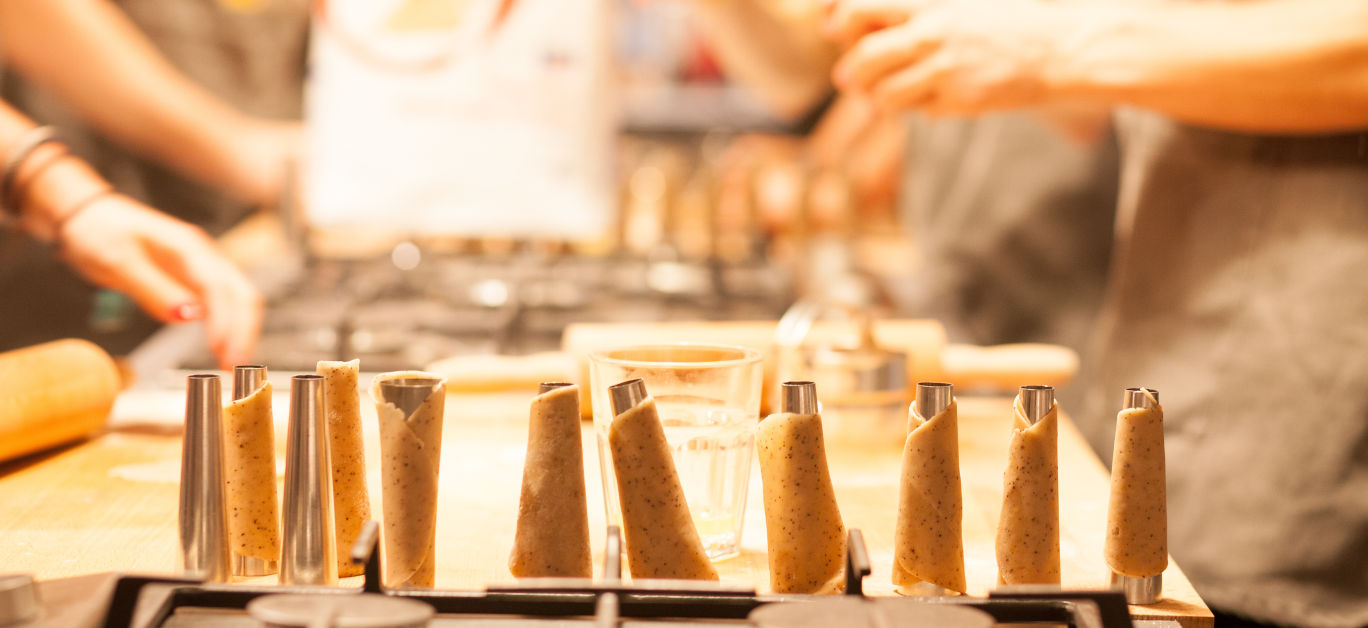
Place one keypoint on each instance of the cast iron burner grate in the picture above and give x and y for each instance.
(151, 602)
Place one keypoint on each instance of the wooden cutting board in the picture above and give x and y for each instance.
(110, 503)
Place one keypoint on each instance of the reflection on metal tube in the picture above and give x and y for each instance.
(308, 551)
(203, 520)
(408, 393)
(1036, 401)
(799, 397)
(627, 395)
(247, 379)
(546, 387)
(932, 397)
(1136, 398)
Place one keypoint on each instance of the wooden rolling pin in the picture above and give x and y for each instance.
(53, 393)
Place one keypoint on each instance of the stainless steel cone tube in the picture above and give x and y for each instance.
(247, 379)
(308, 554)
(1036, 401)
(1147, 589)
(932, 397)
(1137, 398)
(202, 520)
(799, 398)
(627, 395)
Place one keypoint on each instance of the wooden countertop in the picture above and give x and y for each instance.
(109, 504)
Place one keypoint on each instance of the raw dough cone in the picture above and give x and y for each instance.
(351, 503)
(1028, 531)
(552, 537)
(806, 534)
(410, 453)
(928, 541)
(659, 532)
(249, 473)
(1137, 519)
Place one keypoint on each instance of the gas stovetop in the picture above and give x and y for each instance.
(150, 602)
(397, 318)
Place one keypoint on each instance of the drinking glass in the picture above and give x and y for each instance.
(708, 398)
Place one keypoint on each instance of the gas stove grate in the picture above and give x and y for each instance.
(158, 602)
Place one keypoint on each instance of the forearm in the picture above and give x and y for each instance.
(783, 56)
(49, 185)
(1269, 66)
(92, 57)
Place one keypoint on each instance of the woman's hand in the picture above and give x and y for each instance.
(171, 269)
(956, 57)
(849, 20)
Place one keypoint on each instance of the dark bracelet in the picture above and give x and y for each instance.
(19, 153)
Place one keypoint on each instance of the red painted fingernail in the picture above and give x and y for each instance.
(187, 312)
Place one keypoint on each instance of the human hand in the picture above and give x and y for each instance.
(849, 20)
(171, 269)
(263, 152)
(959, 57)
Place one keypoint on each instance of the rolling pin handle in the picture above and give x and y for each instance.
(800, 398)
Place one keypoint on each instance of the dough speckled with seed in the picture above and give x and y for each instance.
(552, 534)
(802, 520)
(928, 541)
(658, 530)
(1137, 517)
(1028, 530)
(410, 453)
(351, 502)
(249, 473)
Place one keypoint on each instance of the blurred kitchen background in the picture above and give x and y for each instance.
(475, 176)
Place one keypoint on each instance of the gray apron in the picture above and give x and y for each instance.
(1014, 227)
(1239, 290)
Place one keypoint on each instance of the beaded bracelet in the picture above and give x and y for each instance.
(18, 153)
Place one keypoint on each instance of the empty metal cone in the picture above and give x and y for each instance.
(203, 521)
(308, 553)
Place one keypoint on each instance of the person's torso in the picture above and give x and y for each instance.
(1240, 292)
